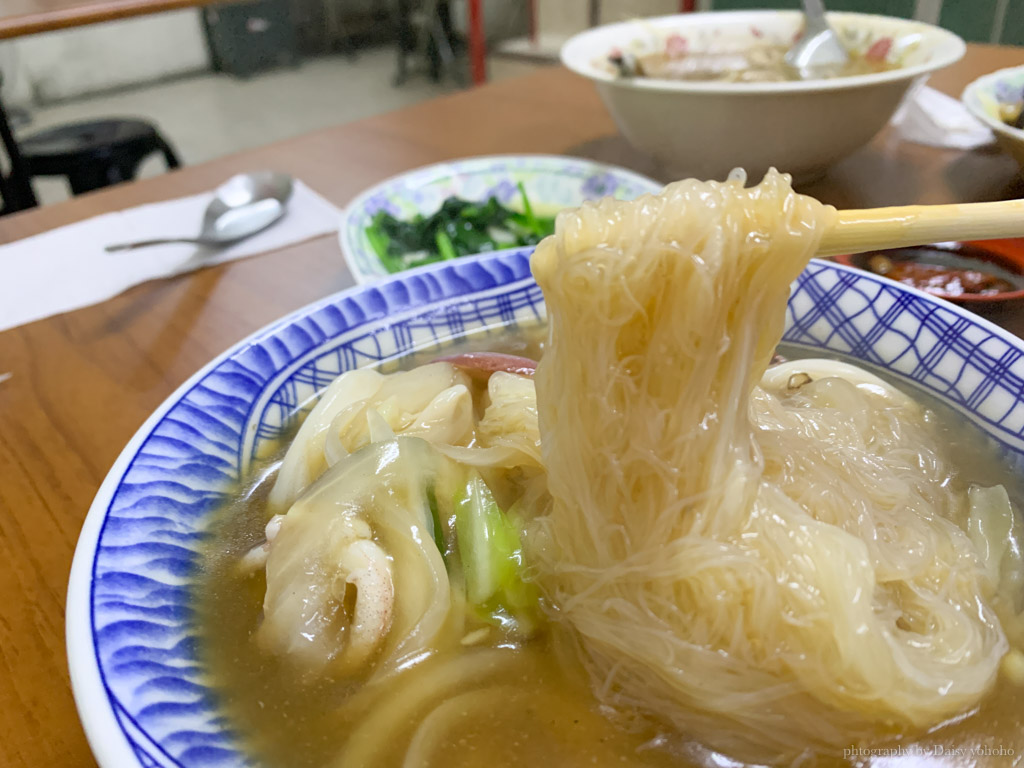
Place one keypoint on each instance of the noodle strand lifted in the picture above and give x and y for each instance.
(767, 567)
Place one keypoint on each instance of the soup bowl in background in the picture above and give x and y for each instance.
(143, 693)
(706, 128)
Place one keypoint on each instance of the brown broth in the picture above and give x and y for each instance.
(760, 63)
(542, 712)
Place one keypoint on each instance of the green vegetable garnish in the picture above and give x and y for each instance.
(444, 245)
(458, 228)
(491, 555)
(535, 226)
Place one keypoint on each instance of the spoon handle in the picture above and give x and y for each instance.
(814, 9)
(147, 243)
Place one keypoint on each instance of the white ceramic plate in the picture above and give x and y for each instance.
(552, 183)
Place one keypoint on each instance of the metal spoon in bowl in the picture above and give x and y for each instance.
(819, 49)
(241, 207)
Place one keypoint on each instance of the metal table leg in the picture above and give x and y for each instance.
(477, 46)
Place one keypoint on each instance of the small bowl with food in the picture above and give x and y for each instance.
(969, 273)
(997, 99)
(470, 206)
(704, 93)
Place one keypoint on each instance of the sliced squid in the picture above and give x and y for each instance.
(354, 576)
(330, 589)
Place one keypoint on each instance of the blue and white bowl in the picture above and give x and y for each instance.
(552, 182)
(139, 681)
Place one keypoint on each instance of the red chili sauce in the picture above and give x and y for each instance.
(939, 280)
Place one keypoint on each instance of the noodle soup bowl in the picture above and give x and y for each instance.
(704, 128)
(144, 692)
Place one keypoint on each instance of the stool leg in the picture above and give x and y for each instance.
(17, 189)
(8, 203)
(406, 35)
(86, 178)
(441, 33)
(169, 157)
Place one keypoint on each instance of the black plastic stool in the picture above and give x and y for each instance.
(94, 154)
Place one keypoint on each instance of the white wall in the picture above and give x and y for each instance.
(567, 17)
(58, 65)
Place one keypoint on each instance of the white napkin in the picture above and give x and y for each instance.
(67, 268)
(930, 117)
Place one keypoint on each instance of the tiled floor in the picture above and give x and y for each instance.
(210, 115)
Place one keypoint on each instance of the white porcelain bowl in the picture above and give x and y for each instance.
(983, 97)
(705, 129)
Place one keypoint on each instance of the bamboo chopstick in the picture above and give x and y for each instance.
(878, 228)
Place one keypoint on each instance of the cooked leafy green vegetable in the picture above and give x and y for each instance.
(459, 228)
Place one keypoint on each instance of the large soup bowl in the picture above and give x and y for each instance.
(136, 667)
(704, 129)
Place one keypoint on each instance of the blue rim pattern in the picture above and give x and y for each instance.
(195, 452)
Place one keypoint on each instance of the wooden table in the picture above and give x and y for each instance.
(83, 382)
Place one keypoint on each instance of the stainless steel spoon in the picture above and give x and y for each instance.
(241, 207)
(819, 48)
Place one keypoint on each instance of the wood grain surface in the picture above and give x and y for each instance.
(81, 383)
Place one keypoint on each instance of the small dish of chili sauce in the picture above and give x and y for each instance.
(965, 273)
